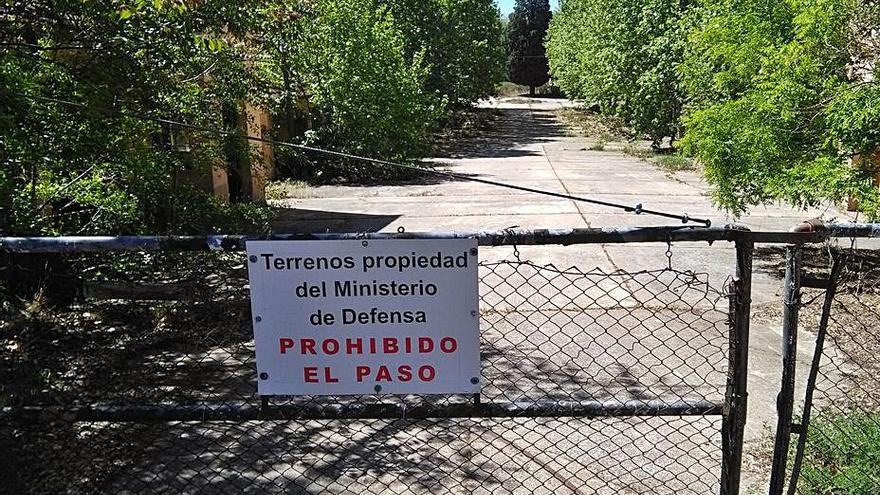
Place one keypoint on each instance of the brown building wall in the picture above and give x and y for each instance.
(260, 169)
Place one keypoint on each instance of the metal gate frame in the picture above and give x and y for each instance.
(733, 410)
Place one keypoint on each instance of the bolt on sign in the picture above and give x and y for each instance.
(396, 316)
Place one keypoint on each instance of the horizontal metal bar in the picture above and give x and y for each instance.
(318, 411)
(98, 244)
(871, 230)
(237, 242)
(507, 237)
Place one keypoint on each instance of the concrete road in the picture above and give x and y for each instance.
(530, 147)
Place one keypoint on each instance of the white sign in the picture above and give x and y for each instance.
(362, 317)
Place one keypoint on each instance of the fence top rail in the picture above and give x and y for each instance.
(506, 237)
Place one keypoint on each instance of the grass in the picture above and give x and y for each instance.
(289, 189)
(591, 124)
(637, 151)
(843, 455)
(675, 163)
(599, 145)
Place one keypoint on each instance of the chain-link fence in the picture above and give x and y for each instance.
(141, 378)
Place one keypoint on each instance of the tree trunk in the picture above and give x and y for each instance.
(288, 116)
(531, 91)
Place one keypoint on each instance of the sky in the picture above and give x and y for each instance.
(507, 6)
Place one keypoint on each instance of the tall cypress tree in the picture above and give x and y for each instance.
(526, 57)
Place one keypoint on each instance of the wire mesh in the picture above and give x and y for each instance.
(843, 442)
(654, 342)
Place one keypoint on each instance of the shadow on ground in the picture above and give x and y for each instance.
(514, 130)
(506, 134)
(300, 221)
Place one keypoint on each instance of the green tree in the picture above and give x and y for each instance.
(783, 99)
(623, 55)
(471, 51)
(460, 41)
(369, 98)
(526, 56)
(349, 69)
(345, 66)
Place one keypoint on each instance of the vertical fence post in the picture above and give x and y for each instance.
(785, 399)
(736, 395)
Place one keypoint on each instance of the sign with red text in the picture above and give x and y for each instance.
(355, 317)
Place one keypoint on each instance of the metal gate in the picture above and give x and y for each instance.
(594, 380)
(828, 441)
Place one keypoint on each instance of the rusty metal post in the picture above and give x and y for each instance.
(736, 395)
(785, 399)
